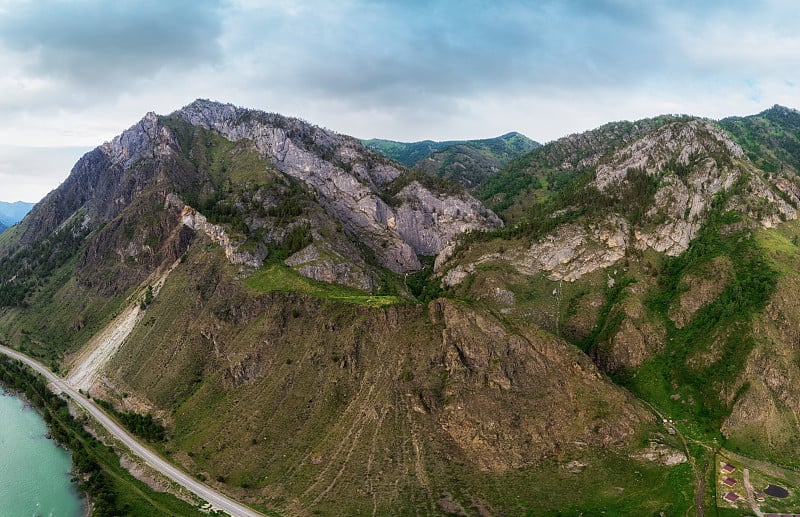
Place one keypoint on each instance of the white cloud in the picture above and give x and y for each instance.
(29, 173)
(78, 73)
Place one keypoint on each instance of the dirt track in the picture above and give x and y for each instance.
(102, 347)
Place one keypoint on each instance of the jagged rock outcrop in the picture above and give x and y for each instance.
(197, 222)
(480, 349)
(696, 158)
(574, 250)
(347, 177)
(661, 454)
(146, 139)
(567, 254)
(686, 163)
(329, 266)
(105, 180)
(429, 222)
(683, 142)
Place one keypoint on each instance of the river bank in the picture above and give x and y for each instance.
(109, 488)
(36, 471)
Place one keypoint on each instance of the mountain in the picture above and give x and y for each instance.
(771, 139)
(320, 330)
(467, 162)
(12, 213)
(276, 261)
(669, 246)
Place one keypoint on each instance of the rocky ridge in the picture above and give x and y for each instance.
(197, 222)
(688, 162)
(347, 179)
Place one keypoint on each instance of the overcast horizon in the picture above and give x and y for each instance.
(78, 73)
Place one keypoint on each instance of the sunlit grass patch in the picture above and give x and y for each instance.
(279, 278)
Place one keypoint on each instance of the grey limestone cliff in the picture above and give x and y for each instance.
(348, 178)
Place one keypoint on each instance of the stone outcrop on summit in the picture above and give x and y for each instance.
(349, 179)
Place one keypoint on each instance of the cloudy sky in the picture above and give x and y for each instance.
(77, 72)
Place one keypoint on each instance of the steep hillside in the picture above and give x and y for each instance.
(339, 406)
(664, 251)
(534, 176)
(771, 139)
(230, 270)
(321, 331)
(468, 163)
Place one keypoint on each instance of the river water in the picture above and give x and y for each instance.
(34, 471)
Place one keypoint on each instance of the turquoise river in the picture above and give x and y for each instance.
(34, 470)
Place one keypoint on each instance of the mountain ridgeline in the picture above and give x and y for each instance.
(476, 330)
(467, 162)
(12, 213)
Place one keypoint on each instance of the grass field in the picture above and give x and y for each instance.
(279, 278)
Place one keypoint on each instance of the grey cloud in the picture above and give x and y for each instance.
(28, 173)
(95, 43)
(390, 54)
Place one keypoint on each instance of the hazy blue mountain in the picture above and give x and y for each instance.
(12, 213)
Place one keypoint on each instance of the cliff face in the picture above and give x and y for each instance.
(348, 178)
(654, 192)
(105, 180)
(245, 163)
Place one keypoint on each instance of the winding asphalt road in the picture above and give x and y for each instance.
(203, 491)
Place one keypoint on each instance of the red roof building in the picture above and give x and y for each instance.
(732, 497)
(728, 468)
(729, 481)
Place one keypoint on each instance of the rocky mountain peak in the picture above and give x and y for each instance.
(653, 187)
(679, 143)
(366, 201)
(349, 180)
(148, 138)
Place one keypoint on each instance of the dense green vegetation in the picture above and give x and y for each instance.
(113, 491)
(31, 266)
(501, 148)
(422, 284)
(279, 278)
(770, 139)
(540, 174)
(143, 426)
(436, 185)
(406, 153)
(723, 324)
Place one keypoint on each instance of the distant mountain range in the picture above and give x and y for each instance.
(12, 213)
(468, 162)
